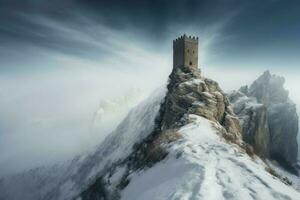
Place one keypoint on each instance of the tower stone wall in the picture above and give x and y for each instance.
(185, 52)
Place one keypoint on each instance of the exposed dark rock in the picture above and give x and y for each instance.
(96, 191)
(283, 124)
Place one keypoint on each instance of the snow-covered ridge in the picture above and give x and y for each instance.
(203, 165)
(183, 145)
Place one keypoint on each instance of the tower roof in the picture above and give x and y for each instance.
(186, 38)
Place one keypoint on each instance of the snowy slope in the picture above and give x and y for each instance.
(200, 165)
(203, 165)
(295, 180)
(65, 181)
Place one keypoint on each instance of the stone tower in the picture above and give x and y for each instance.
(185, 52)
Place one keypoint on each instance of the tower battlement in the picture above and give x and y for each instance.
(185, 52)
(187, 38)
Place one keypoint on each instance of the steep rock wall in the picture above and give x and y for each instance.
(189, 93)
(254, 121)
(269, 118)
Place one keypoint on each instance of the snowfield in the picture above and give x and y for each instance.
(203, 165)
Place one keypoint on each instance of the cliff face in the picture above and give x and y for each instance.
(269, 118)
(254, 122)
(189, 93)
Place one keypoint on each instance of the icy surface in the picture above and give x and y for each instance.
(204, 166)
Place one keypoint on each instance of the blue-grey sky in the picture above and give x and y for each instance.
(60, 58)
(266, 29)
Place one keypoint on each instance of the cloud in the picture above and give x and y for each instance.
(111, 111)
(80, 28)
(46, 111)
(45, 118)
(60, 59)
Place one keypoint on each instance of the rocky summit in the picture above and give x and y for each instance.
(269, 119)
(188, 96)
(189, 93)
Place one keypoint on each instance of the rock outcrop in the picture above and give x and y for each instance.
(189, 93)
(269, 119)
(254, 122)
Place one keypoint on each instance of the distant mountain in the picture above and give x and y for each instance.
(183, 143)
(269, 119)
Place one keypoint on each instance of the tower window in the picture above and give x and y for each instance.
(191, 63)
(188, 51)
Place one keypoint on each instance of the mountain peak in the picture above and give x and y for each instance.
(269, 89)
(267, 73)
(269, 119)
(183, 143)
(190, 93)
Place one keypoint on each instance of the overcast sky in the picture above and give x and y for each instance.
(61, 58)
